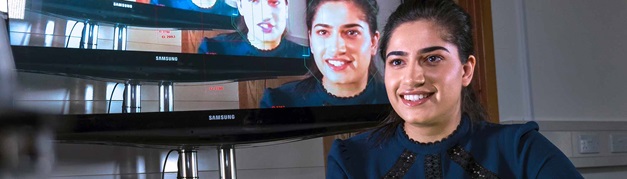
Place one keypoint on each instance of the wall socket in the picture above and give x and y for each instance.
(589, 144)
(618, 142)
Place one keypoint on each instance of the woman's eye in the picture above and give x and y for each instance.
(322, 32)
(274, 3)
(396, 62)
(434, 59)
(352, 32)
(253, 1)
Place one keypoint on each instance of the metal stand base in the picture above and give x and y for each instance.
(227, 162)
(188, 164)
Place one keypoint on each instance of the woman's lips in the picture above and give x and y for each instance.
(415, 99)
(338, 65)
(266, 27)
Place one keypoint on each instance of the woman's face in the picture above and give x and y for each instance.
(341, 42)
(424, 75)
(266, 19)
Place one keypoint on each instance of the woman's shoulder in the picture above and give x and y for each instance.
(226, 37)
(361, 143)
(345, 148)
(510, 130)
(282, 96)
(539, 157)
(287, 88)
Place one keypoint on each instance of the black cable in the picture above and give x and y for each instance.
(67, 42)
(124, 101)
(166, 161)
(111, 97)
(83, 33)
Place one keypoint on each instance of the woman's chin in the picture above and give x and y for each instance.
(341, 81)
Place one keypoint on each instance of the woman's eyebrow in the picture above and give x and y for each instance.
(352, 25)
(422, 51)
(322, 25)
(433, 48)
(396, 53)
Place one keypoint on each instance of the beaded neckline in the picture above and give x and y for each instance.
(430, 143)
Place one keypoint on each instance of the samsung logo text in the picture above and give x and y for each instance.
(123, 5)
(166, 58)
(222, 117)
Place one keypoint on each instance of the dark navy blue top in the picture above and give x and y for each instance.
(220, 7)
(474, 150)
(236, 44)
(288, 95)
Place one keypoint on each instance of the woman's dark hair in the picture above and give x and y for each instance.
(458, 30)
(369, 7)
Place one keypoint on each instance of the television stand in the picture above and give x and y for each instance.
(188, 162)
(132, 97)
(227, 162)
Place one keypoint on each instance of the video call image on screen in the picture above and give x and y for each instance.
(339, 53)
(213, 27)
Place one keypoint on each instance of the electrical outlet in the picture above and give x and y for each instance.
(618, 143)
(589, 143)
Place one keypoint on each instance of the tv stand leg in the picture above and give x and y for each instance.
(89, 36)
(227, 162)
(166, 97)
(188, 164)
(132, 97)
(119, 37)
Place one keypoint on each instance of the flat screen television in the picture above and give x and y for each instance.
(183, 41)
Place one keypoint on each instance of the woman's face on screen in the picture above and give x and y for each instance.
(423, 73)
(265, 19)
(341, 42)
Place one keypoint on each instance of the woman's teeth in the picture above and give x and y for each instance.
(415, 97)
(336, 63)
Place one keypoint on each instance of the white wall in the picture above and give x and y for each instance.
(561, 60)
(561, 63)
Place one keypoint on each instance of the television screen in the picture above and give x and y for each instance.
(264, 57)
(328, 62)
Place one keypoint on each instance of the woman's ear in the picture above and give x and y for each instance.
(468, 70)
(375, 43)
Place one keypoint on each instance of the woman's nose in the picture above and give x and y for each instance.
(337, 45)
(413, 76)
(266, 10)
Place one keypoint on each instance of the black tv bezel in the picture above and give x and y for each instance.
(193, 128)
(144, 67)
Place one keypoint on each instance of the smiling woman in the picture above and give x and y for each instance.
(438, 128)
(343, 38)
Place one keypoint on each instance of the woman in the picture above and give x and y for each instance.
(343, 39)
(261, 35)
(437, 128)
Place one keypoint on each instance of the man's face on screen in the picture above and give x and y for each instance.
(341, 42)
(265, 19)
